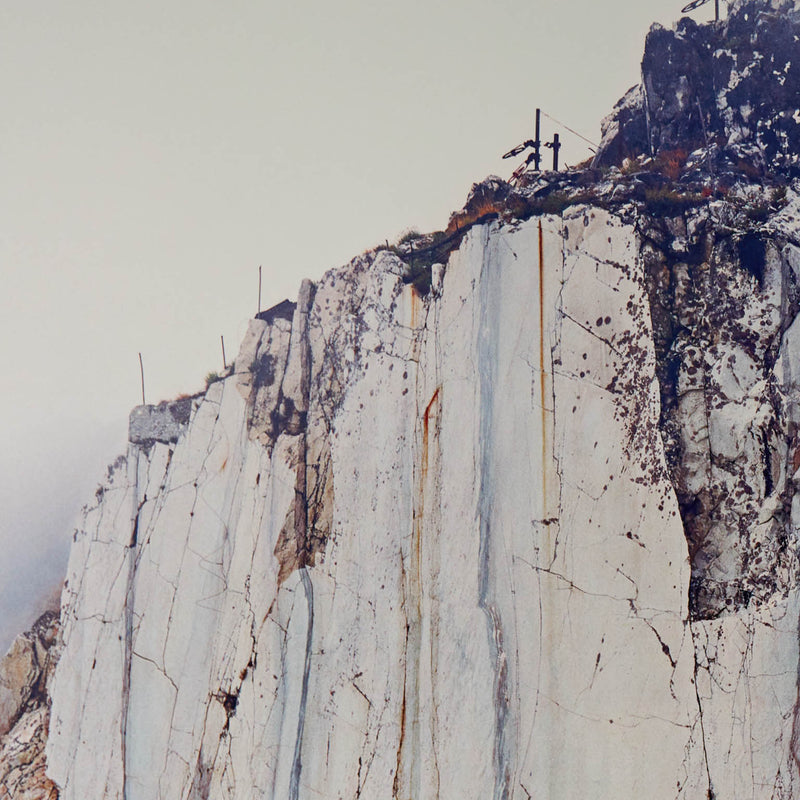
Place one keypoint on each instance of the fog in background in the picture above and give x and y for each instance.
(152, 155)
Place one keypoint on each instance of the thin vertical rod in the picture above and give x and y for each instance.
(537, 141)
(141, 369)
(259, 289)
(224, 363)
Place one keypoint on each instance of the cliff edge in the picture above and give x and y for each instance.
(505, 511)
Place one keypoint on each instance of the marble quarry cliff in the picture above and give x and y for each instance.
(506, 511)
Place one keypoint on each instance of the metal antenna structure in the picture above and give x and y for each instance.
(697, 3)
(536, 145)
(556, 145)
(535, 156)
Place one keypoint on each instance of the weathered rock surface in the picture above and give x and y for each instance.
(731, 89)
(541, 522)
(509, 511)
(162, 423)
(18, 674)
(25, 676)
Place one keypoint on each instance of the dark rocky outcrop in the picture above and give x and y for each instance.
(730, 88)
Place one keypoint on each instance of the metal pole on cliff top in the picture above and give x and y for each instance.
(695, 4)
(141, 369)
(259, 289)
(224, 363)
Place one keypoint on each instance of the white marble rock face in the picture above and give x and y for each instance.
(427, 548)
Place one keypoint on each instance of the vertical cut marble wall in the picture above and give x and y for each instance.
(419, 548)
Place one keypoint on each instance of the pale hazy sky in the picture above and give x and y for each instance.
(153, 154)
